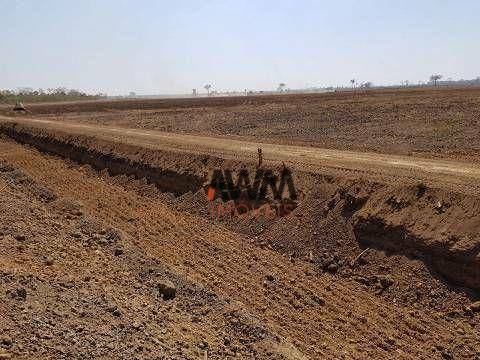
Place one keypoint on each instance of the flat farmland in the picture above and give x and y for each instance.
(440, 122)
(111, 246)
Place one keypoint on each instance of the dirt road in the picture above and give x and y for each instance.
(441, 172)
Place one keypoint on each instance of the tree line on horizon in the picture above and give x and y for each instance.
(50, 94)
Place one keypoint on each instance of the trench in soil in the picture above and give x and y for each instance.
(165, 180)
(377, 231)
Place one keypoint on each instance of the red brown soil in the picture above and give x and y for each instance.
(73, 286)
(342, 315)
(291, 287)
(428, 122)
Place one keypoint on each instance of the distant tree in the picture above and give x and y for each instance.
(60, 91)
(208, 87)
(281, 87)
(353, 81)
(434, 78)
(31, 95)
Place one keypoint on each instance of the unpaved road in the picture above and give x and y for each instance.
(441, 172)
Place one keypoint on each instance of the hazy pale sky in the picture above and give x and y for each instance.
(154, 47)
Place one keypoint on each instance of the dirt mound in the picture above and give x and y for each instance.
(334, 228)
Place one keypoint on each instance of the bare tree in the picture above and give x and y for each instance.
(208, 87)
(434, 78)
(353, 81)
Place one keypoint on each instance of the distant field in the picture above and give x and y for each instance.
(428, 122)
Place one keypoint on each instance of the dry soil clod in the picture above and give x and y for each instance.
(167, 289)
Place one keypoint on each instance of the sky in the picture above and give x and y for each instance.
(171, 47)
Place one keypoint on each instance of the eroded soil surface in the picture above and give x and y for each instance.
(108, 248)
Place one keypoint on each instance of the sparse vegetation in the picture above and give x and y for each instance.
(435, 78)
(29, 95)
(208, 87)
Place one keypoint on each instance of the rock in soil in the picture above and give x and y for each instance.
(167, 289)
